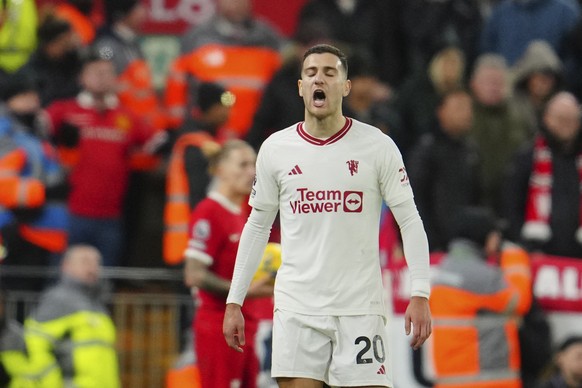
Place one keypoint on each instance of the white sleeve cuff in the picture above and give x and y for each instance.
(415, 246)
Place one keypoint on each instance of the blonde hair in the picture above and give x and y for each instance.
(437, 71)
(224, 152)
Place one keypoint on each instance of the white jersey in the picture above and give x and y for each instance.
(329, 194)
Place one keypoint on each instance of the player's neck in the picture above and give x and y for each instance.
(232, 196)
(324, 128)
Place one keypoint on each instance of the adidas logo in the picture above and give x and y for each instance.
(381, 371)
(296, 171)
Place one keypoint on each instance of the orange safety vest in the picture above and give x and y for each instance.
(184, 377)
(475, 340)
(177, 210)
(137, 94)
(80, 23)
(243, 70)
(27, 192)
(18, 191)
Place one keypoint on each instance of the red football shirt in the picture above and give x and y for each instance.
(99, 179)
(215, 228)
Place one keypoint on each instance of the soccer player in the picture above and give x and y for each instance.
(217, 222)
(327, 176)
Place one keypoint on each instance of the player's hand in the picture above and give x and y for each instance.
(233, 327)
(418, 316)
(261, 288)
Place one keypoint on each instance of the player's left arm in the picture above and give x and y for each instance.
(197, 274)
(396, 191)
(415, 244)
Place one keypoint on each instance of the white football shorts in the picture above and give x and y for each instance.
(338, 350)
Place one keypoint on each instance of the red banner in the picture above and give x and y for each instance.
(557, 282)
(173, 17)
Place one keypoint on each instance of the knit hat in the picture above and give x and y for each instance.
(474, 224)
(13, 85)
(573, 340)
(117, 9)
(210, 93)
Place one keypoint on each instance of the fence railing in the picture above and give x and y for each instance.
(149, 312)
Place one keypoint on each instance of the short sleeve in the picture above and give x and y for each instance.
(265, 191)
(393, 179)
(205, 236)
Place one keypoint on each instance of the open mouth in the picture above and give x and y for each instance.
(318, 98)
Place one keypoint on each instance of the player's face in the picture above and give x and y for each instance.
(238, 170)
(323, 85)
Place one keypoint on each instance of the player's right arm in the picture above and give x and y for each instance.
(252, 244)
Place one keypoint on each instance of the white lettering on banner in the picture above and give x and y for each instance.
(554, 282)
(191, 11)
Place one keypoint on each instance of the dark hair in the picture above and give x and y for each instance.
(51, 29)
(474, 223)
(327, 48)
(442, 98)
(573, 340)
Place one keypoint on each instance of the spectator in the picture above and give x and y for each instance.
(105, 133)
(18, 22)
(568, 363)
(537, 76)
(513, 24)
(542, 194)
(119, 40)
(14, 363)
(498, 128)
(216, 224)
(369, 100)
(78, 13)
(476, 306)
(430, 25)
(443, 168)
(234, 49)
(33, 215)
(370, 29)
(56, 63)
(188, 178)
(419, 96)
(71, 331)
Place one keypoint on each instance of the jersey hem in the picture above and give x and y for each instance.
(332, 313)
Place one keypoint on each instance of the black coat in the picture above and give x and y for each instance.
(54, 79)
(564, 218)
(444, 174)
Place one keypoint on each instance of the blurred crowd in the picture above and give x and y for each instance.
(481, 96)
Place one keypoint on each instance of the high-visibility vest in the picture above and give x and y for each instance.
(475, 340)
(71, 323)
(243, 70)
(23, 162)
(18, 191)
(18, 34)
(137, 94)
(177, 209)
(15, 361)
(81, 24)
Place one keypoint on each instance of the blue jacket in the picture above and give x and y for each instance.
(40, 164)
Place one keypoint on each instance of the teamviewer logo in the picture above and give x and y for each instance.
(353, 201)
